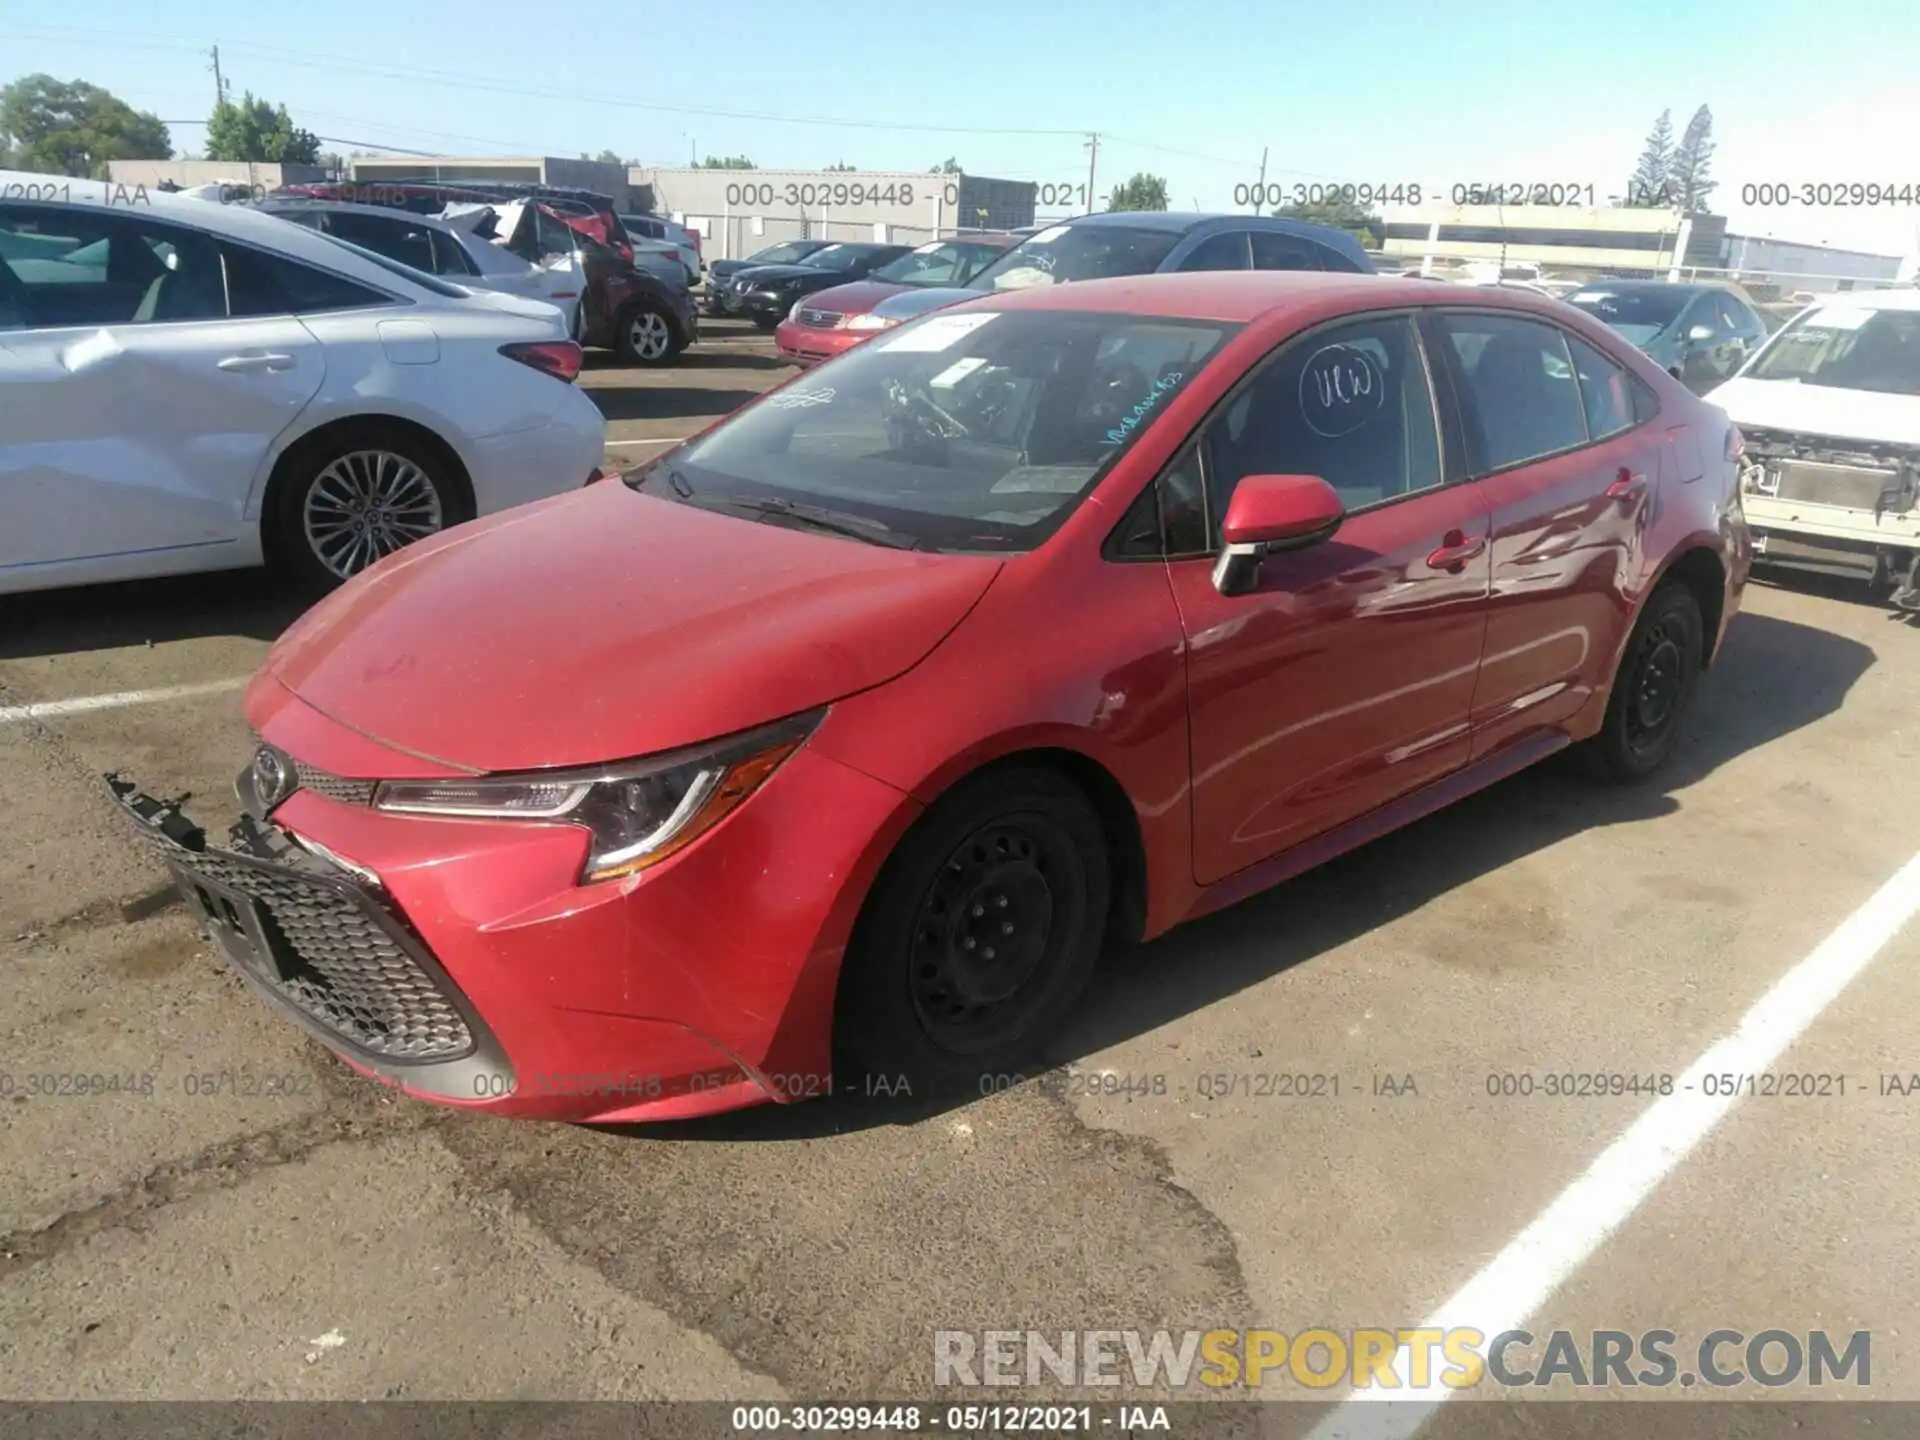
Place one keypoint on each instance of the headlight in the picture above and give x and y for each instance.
(638, 813)
(870, 321)
(798, 305)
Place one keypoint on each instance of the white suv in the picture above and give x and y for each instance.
(1830, 411)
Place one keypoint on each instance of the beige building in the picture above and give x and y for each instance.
(258, 177)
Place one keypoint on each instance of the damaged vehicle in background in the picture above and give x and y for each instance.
(839, 318)
(720, 296)
(1831, 414)
(1698, 333)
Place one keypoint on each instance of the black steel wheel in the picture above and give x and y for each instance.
(979, 934)
(1652, 687)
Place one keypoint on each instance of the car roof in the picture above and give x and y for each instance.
(236, 222)
(1241, 296)
(1905, 298)
(274, 204)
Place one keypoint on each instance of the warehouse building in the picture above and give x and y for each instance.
(740, 211)
(596, 175)
(1578, 242)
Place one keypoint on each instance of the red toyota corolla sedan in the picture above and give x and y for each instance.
(830, 321)
(857, 727)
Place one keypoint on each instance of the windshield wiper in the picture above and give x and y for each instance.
(682, 487)
(833, 522)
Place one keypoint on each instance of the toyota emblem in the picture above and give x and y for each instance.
(273, 778)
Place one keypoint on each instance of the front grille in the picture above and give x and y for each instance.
(819, 319)
(334, 787)
(1833, 484)
(340, 961)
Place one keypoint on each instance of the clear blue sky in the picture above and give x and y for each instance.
(1390, 91)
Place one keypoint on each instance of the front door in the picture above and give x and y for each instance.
(1342, 680)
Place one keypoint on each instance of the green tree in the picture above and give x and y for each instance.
(1654, 172)
(1341, 215)
(948, 166)
(256, 131)
(727, 162)
(608, 157)
(1691, 175)
(68, 127)
(1142, 192)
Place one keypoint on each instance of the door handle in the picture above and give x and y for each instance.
(250, 361)
(1455, 551)
(1627, 486)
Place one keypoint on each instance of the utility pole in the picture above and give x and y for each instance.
(1260, 190)
(1093, 161)
(219, 85)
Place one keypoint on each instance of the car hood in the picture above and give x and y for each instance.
(910, 303)
(858, 297)
(1820, 410)
(605, 624)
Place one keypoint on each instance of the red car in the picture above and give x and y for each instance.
(861, 724)
(830, 321)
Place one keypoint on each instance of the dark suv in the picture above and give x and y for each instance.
(1129, 242)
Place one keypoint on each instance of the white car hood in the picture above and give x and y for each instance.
(1820, 410)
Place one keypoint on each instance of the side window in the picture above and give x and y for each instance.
(1519, 397)
(77, 266)
(449, 257)
(1700, 312)
(1225, 251)
(396, 239)
(1274, 251)
(1170, 517)
(1349, 403)
(1646, 404)
(1732, 322)
(1604, 390)
(263, 284)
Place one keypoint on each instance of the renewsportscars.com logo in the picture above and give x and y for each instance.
(1380, 1359)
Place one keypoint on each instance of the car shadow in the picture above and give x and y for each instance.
(667, 402)
(1773, 677)
(1849, 589)
(249, 603)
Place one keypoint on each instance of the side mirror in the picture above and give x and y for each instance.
(1700, 332)
(1270, 514)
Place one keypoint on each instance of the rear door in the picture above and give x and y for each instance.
(135, 412)
(1343, 679)
(1570, 475)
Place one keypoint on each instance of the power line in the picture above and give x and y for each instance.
(460, 80)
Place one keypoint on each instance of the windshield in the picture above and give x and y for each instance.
(835, 257)
(945, 262)
(1077, 252)
(1638, 314)
(1847, 348)
(963, 431)
(788, 252)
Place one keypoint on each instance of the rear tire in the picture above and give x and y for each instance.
(1652, 689)
(979, 935)
(646, 335)
(355, 497)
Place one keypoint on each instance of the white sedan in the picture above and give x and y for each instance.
(188, 387)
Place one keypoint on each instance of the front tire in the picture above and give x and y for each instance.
(646, 334)
(980, 934)
(1652, 689)
(354, 498)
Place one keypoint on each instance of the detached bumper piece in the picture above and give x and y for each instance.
(316, 939)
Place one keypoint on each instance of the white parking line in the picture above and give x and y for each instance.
(44, 709)
(1524, 1276)
(668, 440)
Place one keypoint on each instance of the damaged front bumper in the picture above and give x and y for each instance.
(1836, 504)
(318, 939)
